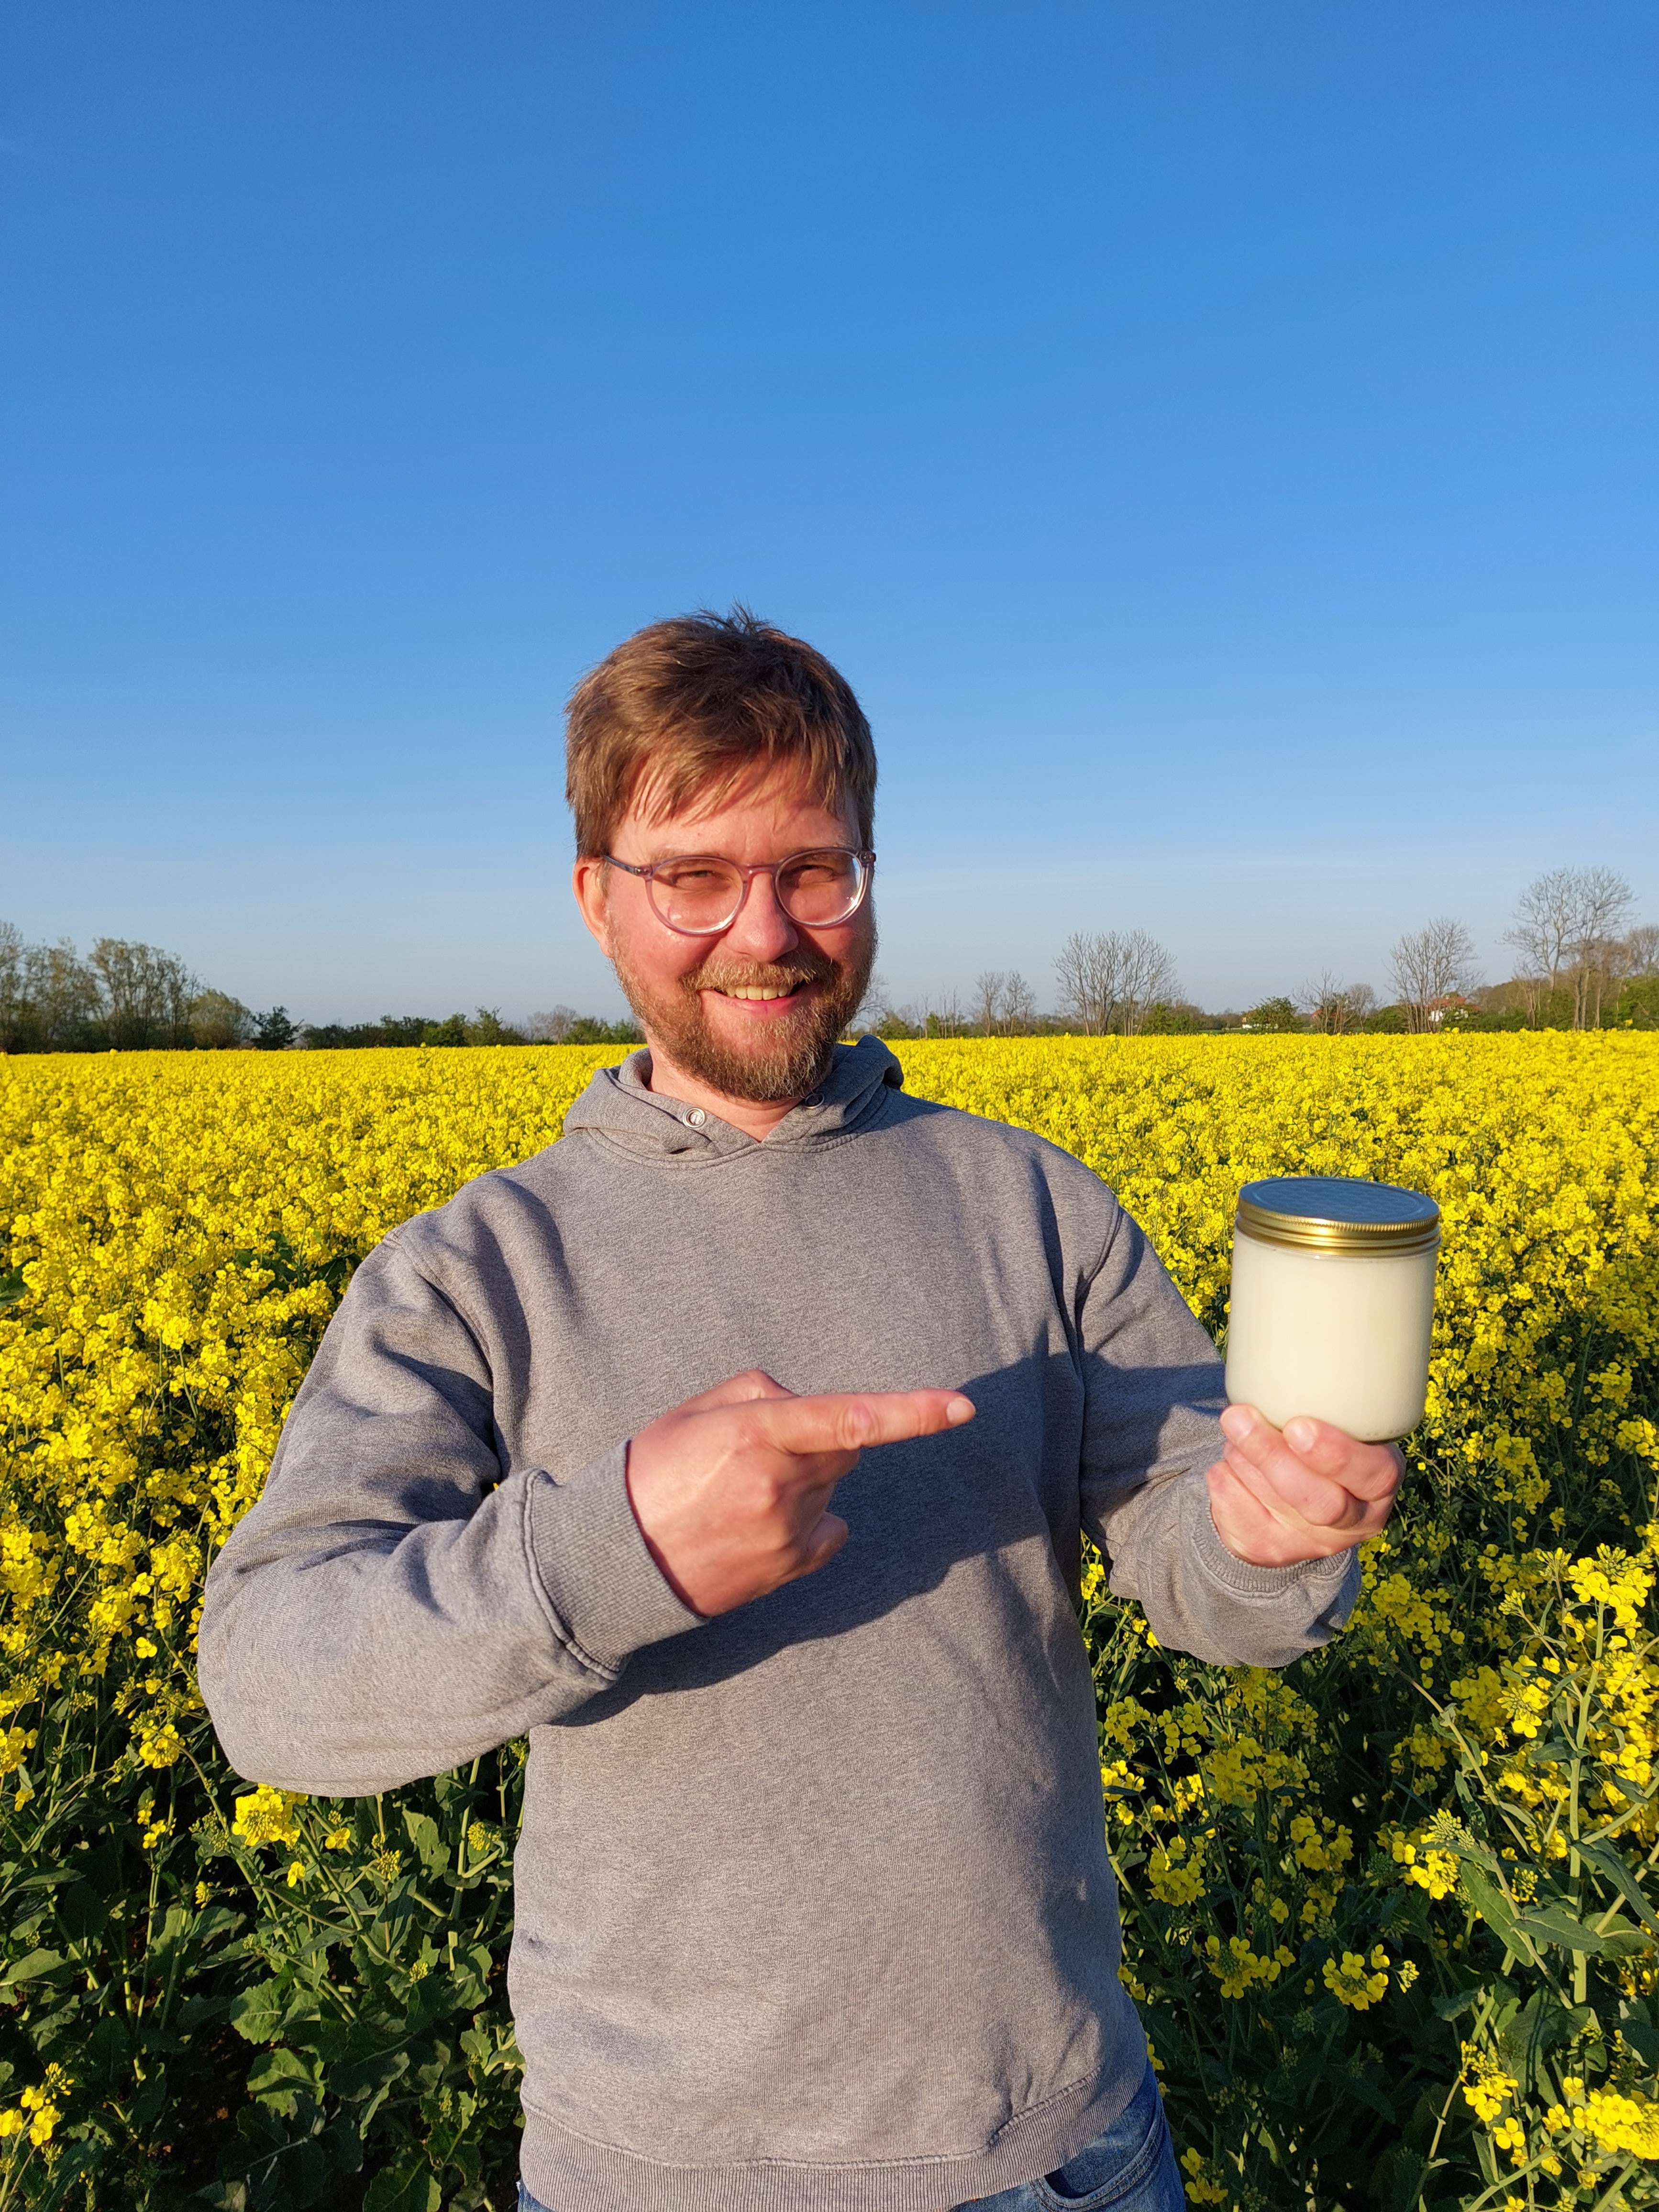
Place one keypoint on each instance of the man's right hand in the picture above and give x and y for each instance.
(731, 1490)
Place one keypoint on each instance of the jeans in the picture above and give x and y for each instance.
(1131, 2168)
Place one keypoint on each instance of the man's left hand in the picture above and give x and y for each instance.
(1279, 1497)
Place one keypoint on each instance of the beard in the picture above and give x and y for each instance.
(793, 1057)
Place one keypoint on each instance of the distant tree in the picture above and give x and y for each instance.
(1335, 1008)
(143, 995)
(1429, 964)
(1638, 1003)
(587, 1029)
(1004, 1002)
(988, 1000)
(218, 1021)
(551, 1027)
(273, 1030)
(1275, 1014)
(1107, 982)
(1179, 1019)
(1640, 947)
(450, 1032)
(487, 1027)
(950, 1018)
(16, 1011)
(1545, 918)
(63, 995)
(873, 1008)
(1387, 1021)
(401, 1029)
(1565, 929)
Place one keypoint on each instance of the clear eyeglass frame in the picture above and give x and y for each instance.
(863, 861)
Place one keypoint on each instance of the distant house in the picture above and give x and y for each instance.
(1452, 1007)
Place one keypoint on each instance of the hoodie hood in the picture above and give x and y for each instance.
(617, 1104)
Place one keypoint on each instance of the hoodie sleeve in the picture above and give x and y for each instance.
(396, 1603)
(1154, 1395)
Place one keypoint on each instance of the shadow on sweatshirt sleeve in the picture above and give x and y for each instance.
(392, 1607)
(1154, 1395)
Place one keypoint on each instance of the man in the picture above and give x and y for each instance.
(813, 1908)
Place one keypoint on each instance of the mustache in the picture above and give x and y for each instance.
(804, 967)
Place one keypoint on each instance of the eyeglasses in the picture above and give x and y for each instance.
(700, 894)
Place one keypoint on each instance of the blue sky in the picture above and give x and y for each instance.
(1218, 444)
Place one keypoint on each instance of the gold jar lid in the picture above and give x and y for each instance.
(1338, 1213)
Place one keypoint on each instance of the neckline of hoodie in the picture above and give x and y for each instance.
(701, 1153)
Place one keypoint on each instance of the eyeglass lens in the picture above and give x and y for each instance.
(704, 893)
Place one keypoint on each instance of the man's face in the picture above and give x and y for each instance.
(773, 1047)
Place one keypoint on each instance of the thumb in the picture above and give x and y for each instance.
(736, 1390)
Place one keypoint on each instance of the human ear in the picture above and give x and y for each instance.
(588, 881)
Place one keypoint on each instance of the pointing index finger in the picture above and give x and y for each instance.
(848, 1421)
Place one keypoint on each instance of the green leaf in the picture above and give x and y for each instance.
(30, 1967)
(409, 2185)
(429, 1846)
(274, 2077)
(1555, 1926)
(353, 2078)
(1609, 1864)
(257, 2013)
(1495, 1909)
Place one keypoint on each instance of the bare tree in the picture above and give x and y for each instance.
(551, 1027)
(1430, 964)
(1335, 1007)
(1004, 1002)
(1565, 927)
(1110, 981)
(1546, 916)
(1640, 949)
(1605, 900)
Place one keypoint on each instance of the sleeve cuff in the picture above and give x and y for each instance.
(1241, 1576)
(606, 1595)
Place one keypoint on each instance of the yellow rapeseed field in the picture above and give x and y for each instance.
(1389, 1914)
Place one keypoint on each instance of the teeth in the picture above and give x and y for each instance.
(754, 991)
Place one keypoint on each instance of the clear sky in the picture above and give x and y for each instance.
(1217, 442)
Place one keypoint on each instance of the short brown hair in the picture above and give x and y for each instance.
(689, 709)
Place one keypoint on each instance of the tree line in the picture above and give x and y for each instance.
(1580, 964)
(124, 996)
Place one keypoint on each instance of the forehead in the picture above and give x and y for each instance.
(775, 808)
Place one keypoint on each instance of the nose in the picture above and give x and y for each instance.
(762, 931)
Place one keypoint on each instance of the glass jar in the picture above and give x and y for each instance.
(1333, 1302)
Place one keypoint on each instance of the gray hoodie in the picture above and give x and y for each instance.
(813, 1907)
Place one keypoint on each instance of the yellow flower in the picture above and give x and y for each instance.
(1201, 2189)
(1486, 2087)
(265, 1815)
(1353, 1984)
(1622, 2123)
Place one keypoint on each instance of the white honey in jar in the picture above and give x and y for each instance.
(1332, 1302)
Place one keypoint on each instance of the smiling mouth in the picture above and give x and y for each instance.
(768, 994)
